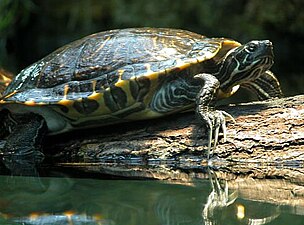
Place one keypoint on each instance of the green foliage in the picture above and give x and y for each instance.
(13, 11)
(238, 18)
(30, 29)
(283, 15)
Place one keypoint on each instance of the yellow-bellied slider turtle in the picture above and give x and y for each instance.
(131, 74)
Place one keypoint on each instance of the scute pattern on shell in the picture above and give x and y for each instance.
(107, 57)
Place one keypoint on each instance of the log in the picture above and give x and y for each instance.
(268, 132)
(267, 140)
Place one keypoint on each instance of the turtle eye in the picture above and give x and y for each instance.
(251, 47)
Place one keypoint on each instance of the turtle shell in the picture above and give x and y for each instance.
(113, 73)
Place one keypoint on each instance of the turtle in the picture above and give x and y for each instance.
(131, 74)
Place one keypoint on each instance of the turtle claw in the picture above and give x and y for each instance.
(215, 120)
(228, 115)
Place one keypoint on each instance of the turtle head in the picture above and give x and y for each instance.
(245, 63)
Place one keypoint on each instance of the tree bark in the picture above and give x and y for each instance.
(265, 132)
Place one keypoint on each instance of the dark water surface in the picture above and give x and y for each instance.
(65, 200)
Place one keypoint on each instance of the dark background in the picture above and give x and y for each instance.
(31, 29)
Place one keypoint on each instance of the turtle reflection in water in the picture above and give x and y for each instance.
(69, 218)
(219, 200)
(131, 74)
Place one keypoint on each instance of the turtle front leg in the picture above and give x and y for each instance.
(214, 119)
(21, 152)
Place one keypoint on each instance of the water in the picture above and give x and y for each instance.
(196, 198)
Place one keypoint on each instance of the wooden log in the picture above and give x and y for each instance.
(267, 140)
(268, 132)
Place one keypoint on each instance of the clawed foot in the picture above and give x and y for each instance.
(214, 120)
